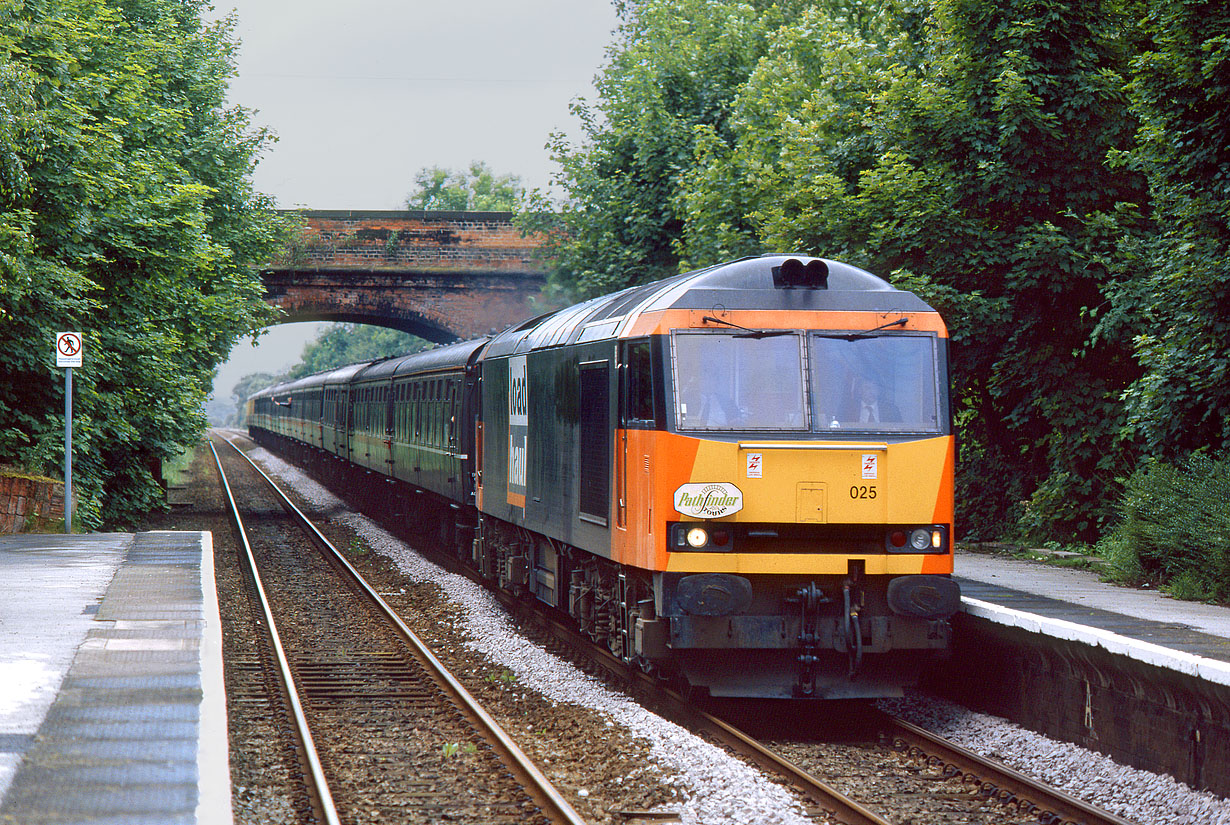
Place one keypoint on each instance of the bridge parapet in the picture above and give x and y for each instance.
(423, 241)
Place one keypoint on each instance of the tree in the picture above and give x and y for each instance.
(337, 346)
(128, 213)
(248, 386)
(344, 344)
(674, 72)
(797, 127)
(934, 145)
(1177, 297)
(973, 191)
(477, 189)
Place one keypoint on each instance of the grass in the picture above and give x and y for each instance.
(175, 472)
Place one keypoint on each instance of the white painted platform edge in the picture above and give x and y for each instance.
(213, 806)
(1199, 667)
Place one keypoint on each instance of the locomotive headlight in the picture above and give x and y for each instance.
(932, 539)
(698, 537)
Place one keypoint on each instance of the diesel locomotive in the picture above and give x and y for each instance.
(741, 475)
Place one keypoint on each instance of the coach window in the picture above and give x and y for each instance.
(878, 383)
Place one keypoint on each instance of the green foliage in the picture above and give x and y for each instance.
(973, 182)
(476, 189)
(506, 677)
(344, 344)
(126, 211)
(670, 82)
(799, 132)
(1181, 94)
(931, 143)
(248, 386)
(336, 346)
(452, 749)
(1175, 528)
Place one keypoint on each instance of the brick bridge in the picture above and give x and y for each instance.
(443, 276)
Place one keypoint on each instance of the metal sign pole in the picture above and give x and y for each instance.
(68, 355)
(68, 450)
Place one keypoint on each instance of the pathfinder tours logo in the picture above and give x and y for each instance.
(712, 500)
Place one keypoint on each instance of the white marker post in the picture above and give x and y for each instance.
(68, 355)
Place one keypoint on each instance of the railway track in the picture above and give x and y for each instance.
(382, 731)
(991, 792)
(962, 787)
(996, 782)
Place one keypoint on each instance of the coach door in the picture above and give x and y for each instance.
(347, 433)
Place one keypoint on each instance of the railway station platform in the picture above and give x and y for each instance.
(1128, 672)
(1149, 625)
(112, 704)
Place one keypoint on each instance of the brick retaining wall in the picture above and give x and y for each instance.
(25, 502)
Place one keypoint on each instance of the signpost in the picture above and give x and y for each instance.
(68, 355)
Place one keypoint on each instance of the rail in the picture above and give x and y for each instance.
(317, 786)
(999, 782)
(545, 795)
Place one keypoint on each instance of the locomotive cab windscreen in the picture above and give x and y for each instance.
(731, 381)
(807, 383)
(880, 383)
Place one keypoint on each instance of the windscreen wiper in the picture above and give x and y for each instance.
(747, 332)
(867, 333)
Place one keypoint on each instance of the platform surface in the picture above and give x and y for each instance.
(1079, 597)
(112, 707)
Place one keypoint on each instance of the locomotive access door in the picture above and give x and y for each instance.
(633, 456)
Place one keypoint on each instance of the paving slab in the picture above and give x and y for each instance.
(118, 714)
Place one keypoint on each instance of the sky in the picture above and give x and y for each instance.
(364, 94)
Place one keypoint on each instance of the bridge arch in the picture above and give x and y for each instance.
(444, 276)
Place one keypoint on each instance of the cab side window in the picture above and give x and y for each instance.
(638, 407)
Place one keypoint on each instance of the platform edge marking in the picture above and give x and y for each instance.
(214, 805)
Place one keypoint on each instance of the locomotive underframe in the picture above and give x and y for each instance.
(822, 636)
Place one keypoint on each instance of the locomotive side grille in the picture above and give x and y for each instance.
(595, 491)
